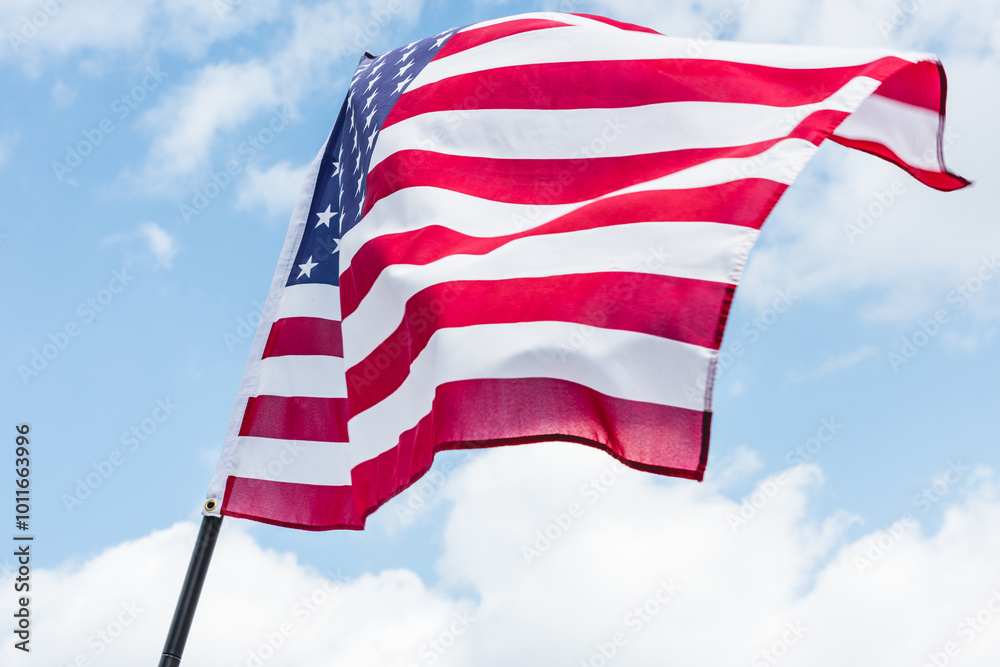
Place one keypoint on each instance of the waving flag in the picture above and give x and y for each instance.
(531, 229)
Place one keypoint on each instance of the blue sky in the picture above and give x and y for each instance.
(129, 323)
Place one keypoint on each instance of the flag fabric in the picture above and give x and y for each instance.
(531, 229)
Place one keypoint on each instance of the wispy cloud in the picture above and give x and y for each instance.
(837, 364)
(158, 244)
(273, 189)
(63, 95)
(161, 244)
(224, 98)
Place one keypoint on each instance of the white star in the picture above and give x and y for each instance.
(406, 55)
(369, 101)
(352, 122)
(307, 267)
(359, 187)
(372, 82)
(403, 69)
(371, 139)
(402, 84)
(441, 40)
(336, 166)
(324, 217)
(336, 249)
(368, 121)
(378, 65)
(357, 167)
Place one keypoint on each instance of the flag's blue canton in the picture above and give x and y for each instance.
(340, 186)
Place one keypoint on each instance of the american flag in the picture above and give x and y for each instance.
(531, 229)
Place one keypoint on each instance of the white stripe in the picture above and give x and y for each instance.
(302, 375)
(310, 300)
(622, 364)
(699, 250)
(908, 131)
(568, 134)
(293, 238)
(295, 461)
(414, 208)
(596, 43)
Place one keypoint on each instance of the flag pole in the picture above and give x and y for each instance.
(191, 590)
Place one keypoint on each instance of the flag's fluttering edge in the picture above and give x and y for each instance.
(531, 229)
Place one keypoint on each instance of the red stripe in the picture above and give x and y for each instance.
(296, 418)
(680, 309)
(489, 413)
(562, 181)
(467, 39)
(304, 335)
(939, 180)
(307, 506)
(744, 202)
(486, 413)
(919, 84)
(624, 83)
(618, 24)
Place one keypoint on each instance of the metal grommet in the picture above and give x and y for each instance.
(210, 505)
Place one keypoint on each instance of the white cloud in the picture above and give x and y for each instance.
(927, 241)
(160, 243)
(39, 33)
(607, 541)
(273, 189)
(221, 98)
(63, 95)
(115, 609)
(225, 97)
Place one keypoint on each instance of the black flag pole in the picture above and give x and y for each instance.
(187, 603)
